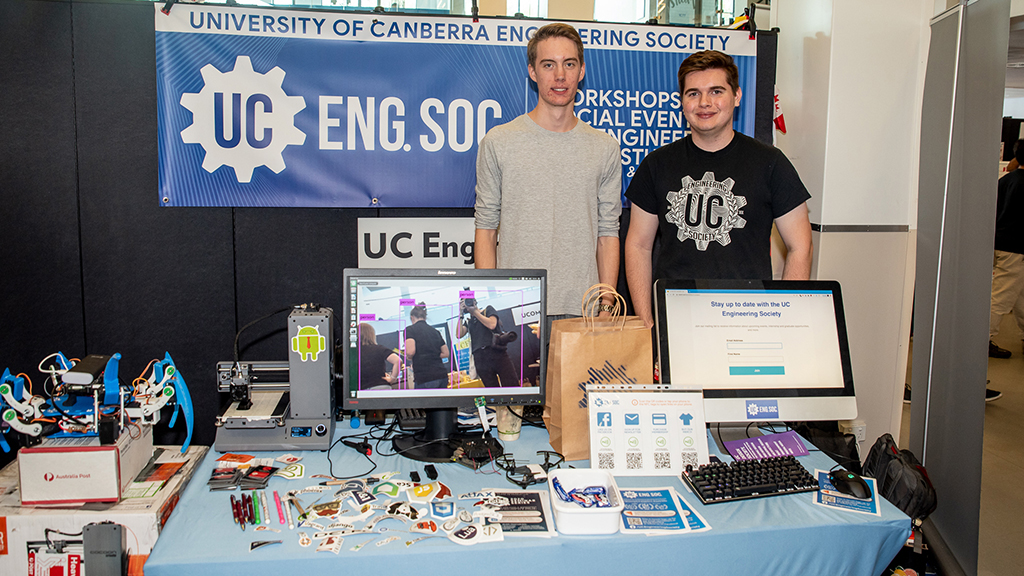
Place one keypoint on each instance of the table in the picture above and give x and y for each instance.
(783, 535)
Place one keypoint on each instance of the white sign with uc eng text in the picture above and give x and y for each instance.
(416, 242)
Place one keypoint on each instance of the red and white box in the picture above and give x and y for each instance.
(62, 471)
(47, 541)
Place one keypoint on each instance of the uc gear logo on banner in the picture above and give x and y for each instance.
(243, 119)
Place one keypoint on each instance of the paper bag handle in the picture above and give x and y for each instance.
(592, 300)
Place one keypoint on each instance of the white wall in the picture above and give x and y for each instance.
(850, 80)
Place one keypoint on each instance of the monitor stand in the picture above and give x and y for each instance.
(731, 431)
(430, 444)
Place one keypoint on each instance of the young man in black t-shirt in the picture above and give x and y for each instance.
(713, 195)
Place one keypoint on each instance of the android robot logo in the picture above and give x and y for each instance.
(308, 343)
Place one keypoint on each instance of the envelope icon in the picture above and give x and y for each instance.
(632, 419)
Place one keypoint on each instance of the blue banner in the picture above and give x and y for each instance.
(265, 107)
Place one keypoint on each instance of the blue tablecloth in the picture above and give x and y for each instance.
(779, 535)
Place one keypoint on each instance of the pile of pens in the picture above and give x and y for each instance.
(250, 508)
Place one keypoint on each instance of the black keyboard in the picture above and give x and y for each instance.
(721, 482)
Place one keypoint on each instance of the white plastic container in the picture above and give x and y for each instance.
(571, 518)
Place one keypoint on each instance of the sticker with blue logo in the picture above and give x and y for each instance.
(762, 409)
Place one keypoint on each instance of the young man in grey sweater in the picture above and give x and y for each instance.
(551, 184)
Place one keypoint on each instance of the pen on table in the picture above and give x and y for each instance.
(255, 499)
(288, 512)
(266, 508)
(249, 508)
(234, 509)
(280, 510)
(334, 482)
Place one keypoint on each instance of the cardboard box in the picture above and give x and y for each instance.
(144, 510)
(79, 470)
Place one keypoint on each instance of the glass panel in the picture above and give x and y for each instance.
(621, 10)
(528, 8)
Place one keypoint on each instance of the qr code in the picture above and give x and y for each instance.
(662, 460)
(634, 460)
(606, 460)
(689, 458)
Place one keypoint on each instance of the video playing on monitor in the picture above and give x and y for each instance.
(422, 340)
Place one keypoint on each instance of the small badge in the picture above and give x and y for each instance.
(450, 525)
(425, 527)
(360, 498)
(423, 493)
(330, 544)
(467, 535)
(288, 459)
(443, 491)
(359, 547)
(476, 495)
(404, 509)
(261, 543)
(415, 540)
(387, 488)
(442, 510)
(311, 490)
(291, 472)
(304, 540)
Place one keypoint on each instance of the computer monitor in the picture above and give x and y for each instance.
(385, 303)
(760, 350)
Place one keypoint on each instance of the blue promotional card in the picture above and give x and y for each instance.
(828, 496)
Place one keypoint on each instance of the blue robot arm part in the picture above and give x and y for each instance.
(167, 367)
(3, 406)
(111, 385)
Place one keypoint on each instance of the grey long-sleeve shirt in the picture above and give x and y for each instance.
(553, 194)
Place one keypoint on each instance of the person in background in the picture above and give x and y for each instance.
(372, 359)
(425, 346)
(1008, 259)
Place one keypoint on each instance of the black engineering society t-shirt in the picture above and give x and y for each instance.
(715, 209)
(426, 363)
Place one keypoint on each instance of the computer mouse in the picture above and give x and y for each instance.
(849, 483)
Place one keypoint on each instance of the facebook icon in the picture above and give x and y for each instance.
(604, 418)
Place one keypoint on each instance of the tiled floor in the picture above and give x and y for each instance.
(1000, 549)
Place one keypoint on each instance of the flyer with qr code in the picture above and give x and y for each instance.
(646, 430)
(828, 496)
(655, 511)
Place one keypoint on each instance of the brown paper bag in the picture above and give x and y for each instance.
(590, 350)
